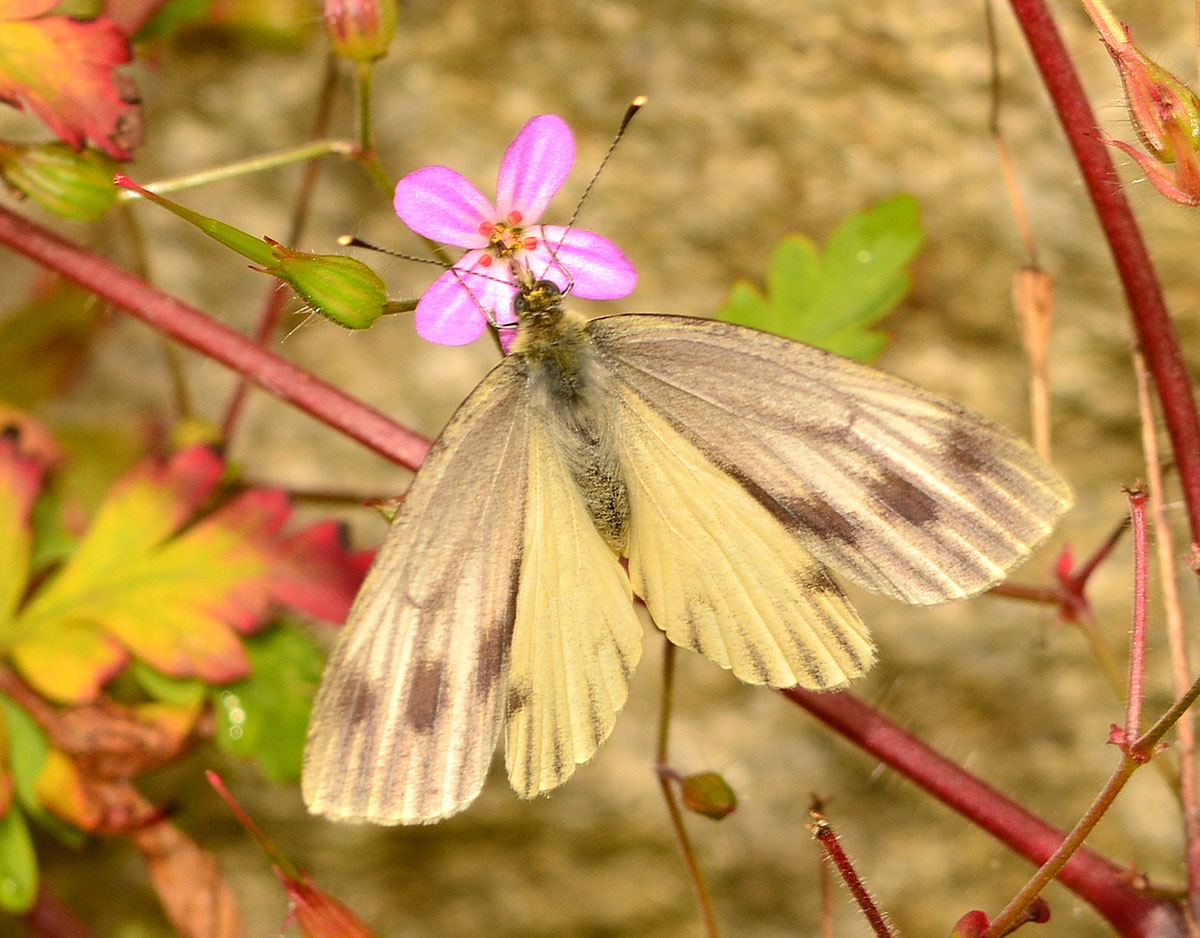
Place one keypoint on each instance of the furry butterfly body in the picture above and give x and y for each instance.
(732, 468)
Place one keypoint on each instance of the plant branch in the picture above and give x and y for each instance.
(1095, 879)
(1151, 321)
(194, 329)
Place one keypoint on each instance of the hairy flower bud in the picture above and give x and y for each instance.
(340, 288)
(1165, 112)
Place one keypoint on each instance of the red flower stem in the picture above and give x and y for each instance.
(273, 854)
(1092, 877)
(1151, 321)
(1137, 641)
(831, 846)
(198, 331)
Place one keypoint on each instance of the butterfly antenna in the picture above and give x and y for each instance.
(353, 241)
(634, 106)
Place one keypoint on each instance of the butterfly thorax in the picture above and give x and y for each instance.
(569, 388)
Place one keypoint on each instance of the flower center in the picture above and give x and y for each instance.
(506, 239)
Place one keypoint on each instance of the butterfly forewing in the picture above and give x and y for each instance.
(410, 708)
(902, 490)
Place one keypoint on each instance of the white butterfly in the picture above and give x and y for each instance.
(732, 468)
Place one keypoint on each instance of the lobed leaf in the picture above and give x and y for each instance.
(832, 298)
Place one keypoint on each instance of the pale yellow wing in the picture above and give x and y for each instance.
(409, 711)
(576, 638)
(902, 490)
(719, 573)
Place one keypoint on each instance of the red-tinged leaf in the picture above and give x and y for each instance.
(64, 71)
(243, 535)
(70, 662)
(189, 884)
(315, 574)
(162, 597)
(113, 743)
(20, 480)
(61, 790)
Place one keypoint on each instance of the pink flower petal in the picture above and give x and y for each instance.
(447, 314)
(534, 167)
(439, 204)
(452, 311)
(596, 267)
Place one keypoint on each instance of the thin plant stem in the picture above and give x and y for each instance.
(1136, 753)
(1181, 668)
(666, 781)
(256, 164)
(277, 299)
(831, 848)
(1137, 638)
(367, 154)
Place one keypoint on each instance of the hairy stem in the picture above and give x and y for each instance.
(220, 343)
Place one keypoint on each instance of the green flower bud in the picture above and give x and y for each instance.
(72, 184)
(342, 289)
(709, 794)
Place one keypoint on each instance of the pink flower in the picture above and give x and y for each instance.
(500, 239)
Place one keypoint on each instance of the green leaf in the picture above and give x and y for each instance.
(27, 748)
(832, 298)
(265, 716)
(18, 864)
(182, 692)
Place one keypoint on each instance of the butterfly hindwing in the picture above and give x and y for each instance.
(576, 638)
(410, 708)
(717, 571)
(900, 489)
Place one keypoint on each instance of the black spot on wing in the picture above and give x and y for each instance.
(965, 452)
(518, 698)
(816, 579)
(902, 497)
(425, 695)
(356, 700)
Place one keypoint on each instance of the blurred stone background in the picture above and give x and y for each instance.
(765, 118)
